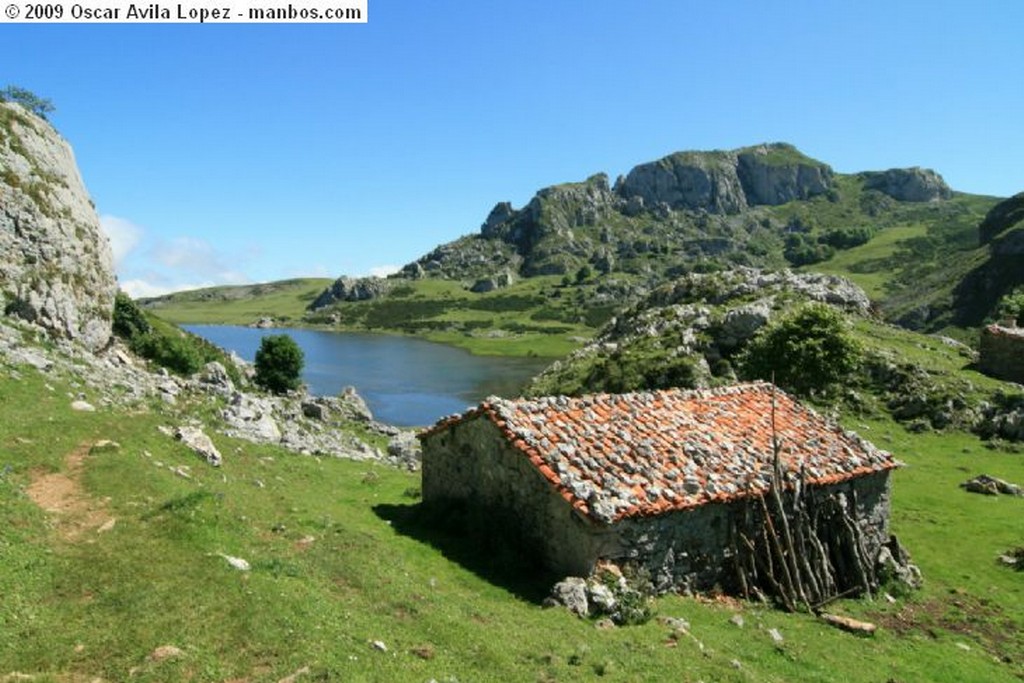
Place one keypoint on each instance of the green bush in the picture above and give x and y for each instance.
(1011, 306)
(129, 320)
(279, 363)
(178, 354)
(806, 351)
(39, 106)
(847, 238)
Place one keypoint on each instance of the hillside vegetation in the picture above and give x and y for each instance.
(116, 567)
(543, 278)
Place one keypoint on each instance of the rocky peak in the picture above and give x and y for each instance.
(726, 182)
(779, 173)
(56, 267)
(908, 184)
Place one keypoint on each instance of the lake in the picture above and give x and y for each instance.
(405, 381)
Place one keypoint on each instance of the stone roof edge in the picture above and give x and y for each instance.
(490, 408)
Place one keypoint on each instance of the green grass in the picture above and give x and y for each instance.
(98, 605)
(864, 265)
(284, 301)
(535, 317)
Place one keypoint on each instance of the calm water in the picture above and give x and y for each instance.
(404, 381)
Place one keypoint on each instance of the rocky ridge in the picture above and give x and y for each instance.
(695, 322)
(299, 422)
(56, 267)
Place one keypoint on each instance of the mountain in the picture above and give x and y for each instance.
(767, 206)
(56, 267)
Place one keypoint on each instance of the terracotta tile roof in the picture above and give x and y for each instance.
(625, 455)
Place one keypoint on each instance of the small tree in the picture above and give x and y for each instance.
(39, 106)
(279, 363)
(1011, 306)
(806, 351)
(129, 320)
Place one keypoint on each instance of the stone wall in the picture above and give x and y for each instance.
(1002, 352)
(470, 463)
(687, 550)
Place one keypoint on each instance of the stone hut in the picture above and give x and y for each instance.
(1001, 351)
(657, 480)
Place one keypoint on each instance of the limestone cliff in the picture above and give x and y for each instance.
(56, 268)
(908, 184)
(728, 182)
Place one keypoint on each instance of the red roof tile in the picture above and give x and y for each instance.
(616, 456)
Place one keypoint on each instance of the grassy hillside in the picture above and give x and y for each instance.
(284, 301)
(539, 316)
(109, 555)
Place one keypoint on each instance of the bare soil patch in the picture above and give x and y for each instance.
(61, 494)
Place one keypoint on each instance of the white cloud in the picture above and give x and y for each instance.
(384, 271)
(123, 234)
(139, 289)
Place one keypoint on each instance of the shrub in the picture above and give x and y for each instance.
(177, 353)
(806, 351)
(129, 320)
(847, 238)
(37, 105)
(1011, 306)
(279, 363)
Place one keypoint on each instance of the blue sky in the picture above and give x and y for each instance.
(237, 153)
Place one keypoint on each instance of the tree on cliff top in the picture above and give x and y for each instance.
(40, 106)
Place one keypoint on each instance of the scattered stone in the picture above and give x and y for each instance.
(107, 526)
(214, 374)
(200, 443)
(236, 562)
(964, 646)
(604, 624)
(572, 593)
(379, 646)
(83, 406)
(735, 663)
(775, 635)
(991, 486)
(104, 446)
(675, 623)
(737, 619)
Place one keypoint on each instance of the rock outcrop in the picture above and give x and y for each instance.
(909, 184)
(351, 289)
(727, 182)
(56, 267)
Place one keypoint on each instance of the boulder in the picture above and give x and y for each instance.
(351, 289)
(489, 284)
(199, 443)
(908, 184)
(571, 593)
(56, 265)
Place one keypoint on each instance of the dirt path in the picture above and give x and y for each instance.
(61, 494)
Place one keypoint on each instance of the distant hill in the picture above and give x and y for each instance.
(578, 252)
(769, 206)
